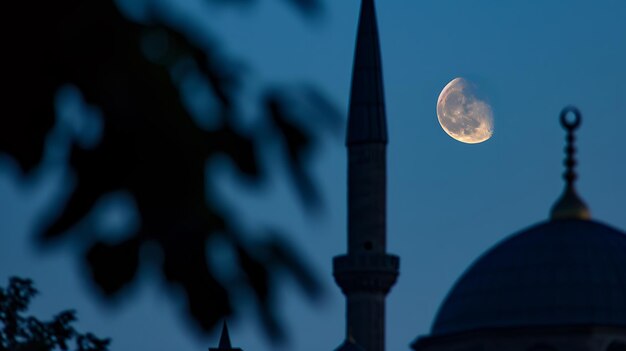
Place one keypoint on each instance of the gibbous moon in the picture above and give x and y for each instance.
(462, 115)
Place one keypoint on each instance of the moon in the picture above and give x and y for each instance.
(462, 114)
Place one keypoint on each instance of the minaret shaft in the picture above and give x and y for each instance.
(367, 272)
(367, 198)
(369, 310)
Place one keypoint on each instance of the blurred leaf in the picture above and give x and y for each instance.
(113, 266)
(297, 143)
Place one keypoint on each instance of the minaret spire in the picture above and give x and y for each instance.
(366, 118)
(367, 273)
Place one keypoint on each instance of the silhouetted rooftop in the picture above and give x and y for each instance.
(349, 345)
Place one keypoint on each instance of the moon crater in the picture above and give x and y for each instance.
(463, 115)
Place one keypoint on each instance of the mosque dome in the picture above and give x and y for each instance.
(556, 285)
(557, 273)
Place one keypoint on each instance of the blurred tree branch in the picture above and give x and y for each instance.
(152, 148)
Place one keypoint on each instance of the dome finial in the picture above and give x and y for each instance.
(569, 205)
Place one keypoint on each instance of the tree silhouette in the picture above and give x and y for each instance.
(21, 333)
(152, 148)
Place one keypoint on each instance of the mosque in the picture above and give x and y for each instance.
(557, 285)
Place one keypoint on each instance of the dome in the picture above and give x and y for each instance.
(557, 273)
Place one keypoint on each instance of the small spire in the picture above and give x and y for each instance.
(224, 343)
(225, 338)
(570, 205)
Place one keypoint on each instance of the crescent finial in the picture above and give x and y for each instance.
(570, 205)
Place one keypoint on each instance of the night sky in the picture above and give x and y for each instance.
(447, 202)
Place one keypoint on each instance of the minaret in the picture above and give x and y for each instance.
(367, 272)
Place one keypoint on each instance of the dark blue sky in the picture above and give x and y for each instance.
(448, 201)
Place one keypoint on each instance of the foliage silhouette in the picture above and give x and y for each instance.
(21, 333)
(152, 147)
